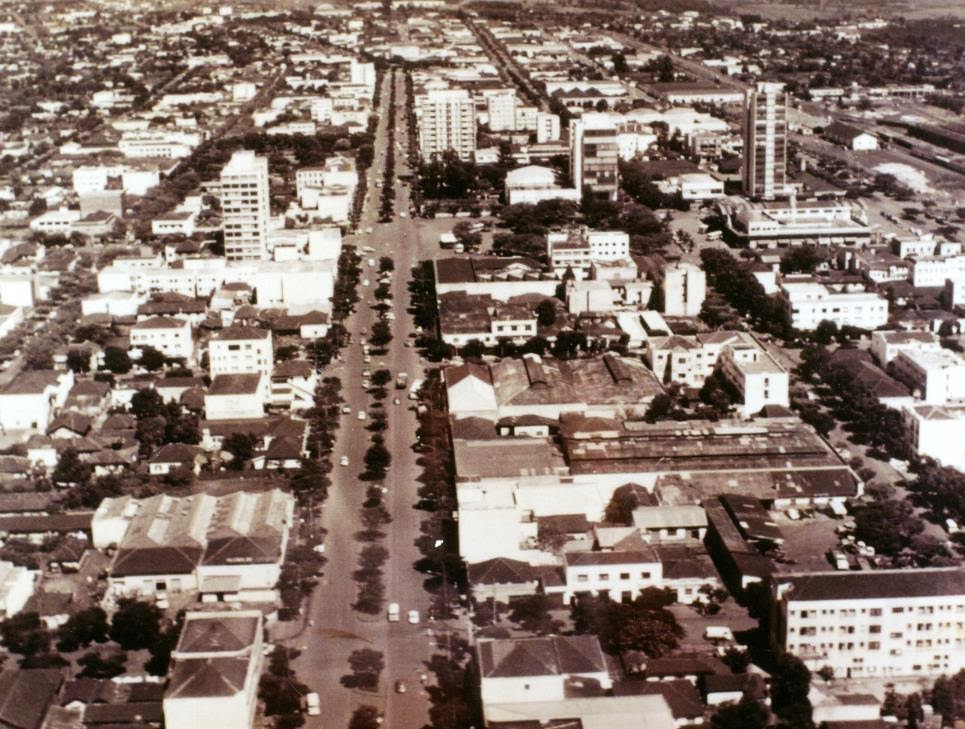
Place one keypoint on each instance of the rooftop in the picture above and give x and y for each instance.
(930, 582)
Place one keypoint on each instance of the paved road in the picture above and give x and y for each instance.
(336, 629)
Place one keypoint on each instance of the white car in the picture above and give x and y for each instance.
(346, 409)
(313, 705)
(365, 282)
(343, 461)
(367, 359)
(413, 617)
(361, 415)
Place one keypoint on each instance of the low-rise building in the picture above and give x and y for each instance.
(16, 587)
(851, 137)
(620, 575)
(794, 222)
(32, 399)
(885, 346)
(809, 303)
(882, 623)
(234, 397)
(533, 184)
(578, 249)
(171, 337)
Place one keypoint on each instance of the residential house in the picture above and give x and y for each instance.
(231, 397)
(32, 398)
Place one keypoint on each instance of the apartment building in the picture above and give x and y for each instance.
(240, 351)
(756, 376)
(594, 156)
(501, 111)
(933, 271)
(936, 431)
(577, 250)
(883, 623)
(765, 141)
(937, 377)
(809, 303)
(171, 337)
(447, 122)
(245, 207)
(885, 346)
(547, 127)
(684, 289)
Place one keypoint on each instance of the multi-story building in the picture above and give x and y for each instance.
(547, 127)
(447, 122)
(618, 575)
(577, 250)
(594, 156)
(936, 431)
(809, 303)
(241, 351)
(885, 346)
(765, 141)
(933, 271)
(881, 623)
(245, 207)
(501, 109)
(171, 337)
(756, 376)
(938, 377)
(684, 288)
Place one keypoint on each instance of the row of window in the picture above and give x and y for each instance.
(605, 576)
(875, 612)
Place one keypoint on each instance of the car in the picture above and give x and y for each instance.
(363, 331)
(365, 282)
(793, 514)
(346, 409)
(313, 704)
(343, 461)
(395, 401)
(403, 214)
(361, 415)
(366, 373)
(366, 384)
(367, 359)
(413, 617)
(399, 687)
(320, 547)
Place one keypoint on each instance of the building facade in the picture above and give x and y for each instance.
(447, 122)
(765, 141)
(245, 207)
(594, 156)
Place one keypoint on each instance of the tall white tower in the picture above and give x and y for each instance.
(245, 207)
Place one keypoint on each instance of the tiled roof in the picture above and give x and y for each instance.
(550, 656)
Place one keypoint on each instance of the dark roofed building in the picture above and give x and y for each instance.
(25, 695)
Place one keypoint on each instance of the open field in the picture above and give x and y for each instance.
(842, 10)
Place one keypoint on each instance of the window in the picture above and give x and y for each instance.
(582, 578)
(644, 575)
(624, 575)
(604, 576)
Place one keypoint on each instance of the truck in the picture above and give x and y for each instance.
(401, 380)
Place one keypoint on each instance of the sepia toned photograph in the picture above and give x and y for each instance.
(482, 364)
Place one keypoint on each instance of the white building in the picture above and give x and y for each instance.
(177, 222)
(594, 156)
(533, 184)
(501, 110)
(447, 121)
(55, 221)
(521, 670)
(756, 375)
(885, 346)
(245, 207)
(883, 623)
(810, 303)
(937, 377)
(215, 670)
(547, 127)
(693, 186)
(684, 289)
(237, 397)
(617, 574)
(16, 587)
(241, 350)
(171, 337)
(32, 398)
(578, 249)
(936, 431)
(933, 271)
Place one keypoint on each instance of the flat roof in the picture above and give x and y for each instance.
(909, 583)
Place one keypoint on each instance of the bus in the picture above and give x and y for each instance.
(414, 390)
